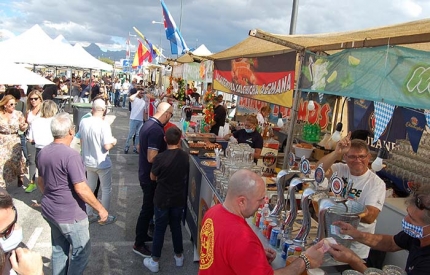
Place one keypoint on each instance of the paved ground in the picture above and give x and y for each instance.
(111, 244)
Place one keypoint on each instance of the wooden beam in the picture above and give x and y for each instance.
(271, 38)
(400, 40)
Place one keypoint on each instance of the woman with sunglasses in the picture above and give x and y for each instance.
(34, 102)
(12, 161)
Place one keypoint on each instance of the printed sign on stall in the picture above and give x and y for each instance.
(268, 78)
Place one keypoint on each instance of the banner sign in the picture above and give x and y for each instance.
(415, 123)
(368, 122)
(267, 78)
(178, 71)
(395, 75)
(198, 71)
(322, 114)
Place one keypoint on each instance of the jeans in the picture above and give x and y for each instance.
(31, 150)
(117, 96)
(23, 146)
(124, 99)
(134, 130)
(171, 216)
(105, 176)
(64, 235)
(146, 213)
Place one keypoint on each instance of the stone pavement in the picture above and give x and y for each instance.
(111, 244)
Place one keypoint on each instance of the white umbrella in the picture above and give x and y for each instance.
(11, 74)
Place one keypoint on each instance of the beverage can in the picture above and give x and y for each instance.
(286, 247)
(270, 226)
(274, 236)
(291, 249)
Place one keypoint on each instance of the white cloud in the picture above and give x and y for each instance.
(218, 24)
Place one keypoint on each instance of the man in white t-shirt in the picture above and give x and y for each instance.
(136, 118)
(368, 188)
(96, 141)
(124, 92)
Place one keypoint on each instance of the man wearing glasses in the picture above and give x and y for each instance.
(368, 188)
(21, 260)
(415, 237)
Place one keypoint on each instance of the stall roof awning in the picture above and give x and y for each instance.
(415, 34)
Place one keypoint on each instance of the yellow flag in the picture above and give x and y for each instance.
(143, 37)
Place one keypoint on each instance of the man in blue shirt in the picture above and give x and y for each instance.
(151, 143)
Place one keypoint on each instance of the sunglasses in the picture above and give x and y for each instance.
(12, 105)
(419, 204)
(34, 98)
(5, 234)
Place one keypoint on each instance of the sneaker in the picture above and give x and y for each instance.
(93, 218)
(142, 251)
(151, 265)
(135, 151)
(109, 220)
(179, 260)
(125, 150)
(30, 188)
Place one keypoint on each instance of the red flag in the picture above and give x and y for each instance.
(141, 54)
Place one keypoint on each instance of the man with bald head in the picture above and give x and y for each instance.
(228, 243)
(151, 143)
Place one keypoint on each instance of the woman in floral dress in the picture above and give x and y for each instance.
(12, 161)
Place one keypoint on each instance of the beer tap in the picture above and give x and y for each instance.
(282, 179)
(292, 215)
(306, 223)
(324, 205)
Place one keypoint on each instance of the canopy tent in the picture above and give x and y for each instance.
(11, 74)
(35, 47)
(96, 64)
(414, 35)
(197, 55)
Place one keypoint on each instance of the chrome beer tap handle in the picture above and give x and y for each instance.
(292, 215)
(323, 205)
(282, 179)
(306, 224)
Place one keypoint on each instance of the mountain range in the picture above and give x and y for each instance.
(95, 51)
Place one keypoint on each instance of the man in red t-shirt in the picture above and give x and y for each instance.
(228, 243)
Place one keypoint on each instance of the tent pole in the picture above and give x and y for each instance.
(295, 109)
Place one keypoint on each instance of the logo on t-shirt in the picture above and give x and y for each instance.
(207, 241)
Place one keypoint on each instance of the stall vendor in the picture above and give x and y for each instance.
(263, 116)
(249, 135)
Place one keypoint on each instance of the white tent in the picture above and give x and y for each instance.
(202, 50)
(99, 64)
(11, 73)
(85, 59)
(34, 46)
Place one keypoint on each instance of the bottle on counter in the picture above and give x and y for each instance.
(266, 210)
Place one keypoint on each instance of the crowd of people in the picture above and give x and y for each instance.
(38, 137)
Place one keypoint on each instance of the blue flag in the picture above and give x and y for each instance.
(151, 49)
(177, 43)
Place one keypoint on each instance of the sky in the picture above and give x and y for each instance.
(219, 24)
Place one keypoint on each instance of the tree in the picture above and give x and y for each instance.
(107, 60)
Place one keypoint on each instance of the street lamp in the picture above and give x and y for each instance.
(161, 37)
(161, 28)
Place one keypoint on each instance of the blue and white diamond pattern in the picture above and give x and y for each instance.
(427, 114)
(383, 114)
